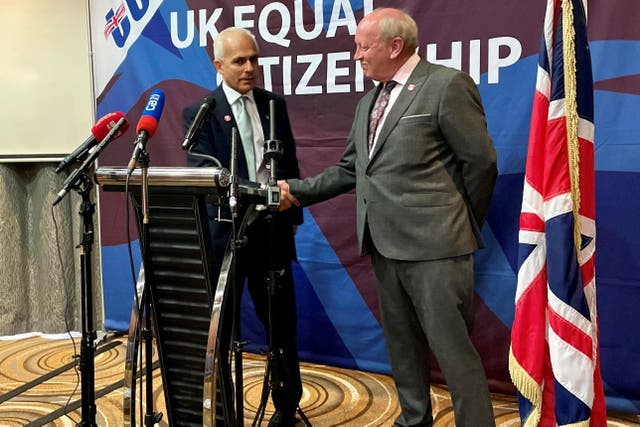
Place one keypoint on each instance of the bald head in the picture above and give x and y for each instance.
(230, 36)
(236, 58)
(385, 39)
(392, 23)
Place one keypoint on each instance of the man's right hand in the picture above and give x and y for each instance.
(286, 198)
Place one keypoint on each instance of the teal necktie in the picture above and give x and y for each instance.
(246, 136)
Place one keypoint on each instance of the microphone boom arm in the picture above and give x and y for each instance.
(81, 171)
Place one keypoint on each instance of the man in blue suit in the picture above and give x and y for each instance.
(424, 167)
(239, 103)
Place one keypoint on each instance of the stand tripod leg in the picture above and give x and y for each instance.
(303, 417)
(150, 418)
(281, 379)
(237, 354)
(264, 395)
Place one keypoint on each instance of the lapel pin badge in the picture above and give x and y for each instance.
(411, 87)
(227, 118)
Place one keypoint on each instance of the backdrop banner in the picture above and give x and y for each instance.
(306, 55)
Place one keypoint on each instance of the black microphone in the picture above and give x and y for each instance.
(73, 178)
(98, 132)
(147, 125)
(203, 112)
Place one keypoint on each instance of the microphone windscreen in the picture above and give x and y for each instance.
(151, 115)
(148, 124)
(106, 123)
(210, 100)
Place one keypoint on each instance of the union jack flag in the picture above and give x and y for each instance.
(554, 357)
(115, 20)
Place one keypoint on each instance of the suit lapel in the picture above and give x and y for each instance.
(262, 103)
(369, 100)
(226, 121)
(405, 99)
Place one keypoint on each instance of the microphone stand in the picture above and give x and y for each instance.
(272, 152)
(229, 393)
(87, 348)
(80, 181)
(237, 241)
(151, 417)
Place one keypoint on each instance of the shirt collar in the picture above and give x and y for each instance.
(402, 75)
(233, 95)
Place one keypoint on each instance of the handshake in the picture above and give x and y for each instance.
(286, 199)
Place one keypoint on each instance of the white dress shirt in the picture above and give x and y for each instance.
(233, 97)
(400, 77)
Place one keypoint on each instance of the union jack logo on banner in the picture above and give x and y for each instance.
(554, 357)
(115, 21)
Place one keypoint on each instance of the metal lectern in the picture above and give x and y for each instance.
(187, 301)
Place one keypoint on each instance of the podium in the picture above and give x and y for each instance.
(187, 301)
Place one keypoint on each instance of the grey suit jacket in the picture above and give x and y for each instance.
(425, 191)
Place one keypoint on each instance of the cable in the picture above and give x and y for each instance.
(135, 294)
(205, 156)
(67, 310)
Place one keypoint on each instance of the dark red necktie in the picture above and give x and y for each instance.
(378, 110)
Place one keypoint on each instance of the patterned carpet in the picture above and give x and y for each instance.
(332, 396)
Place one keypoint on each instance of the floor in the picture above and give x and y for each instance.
(39, 386)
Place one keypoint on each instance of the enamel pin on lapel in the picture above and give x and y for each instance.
(227, 118)
(411, 87)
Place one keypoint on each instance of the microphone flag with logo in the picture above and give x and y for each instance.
(147, 125)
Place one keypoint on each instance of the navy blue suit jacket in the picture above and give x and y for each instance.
(214, 139)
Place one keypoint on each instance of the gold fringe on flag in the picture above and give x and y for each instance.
(532, 391)
(571, 114)
(527, 387)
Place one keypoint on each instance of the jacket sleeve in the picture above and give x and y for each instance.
(288, 166)
(464, 126)
(331, 182)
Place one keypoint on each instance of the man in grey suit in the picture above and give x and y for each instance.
(424, 175)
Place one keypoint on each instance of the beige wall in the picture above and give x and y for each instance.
(46, 101)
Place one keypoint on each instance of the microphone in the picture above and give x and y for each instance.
(118, 129)
(147, 125)
(203, 112)
(98, 132)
